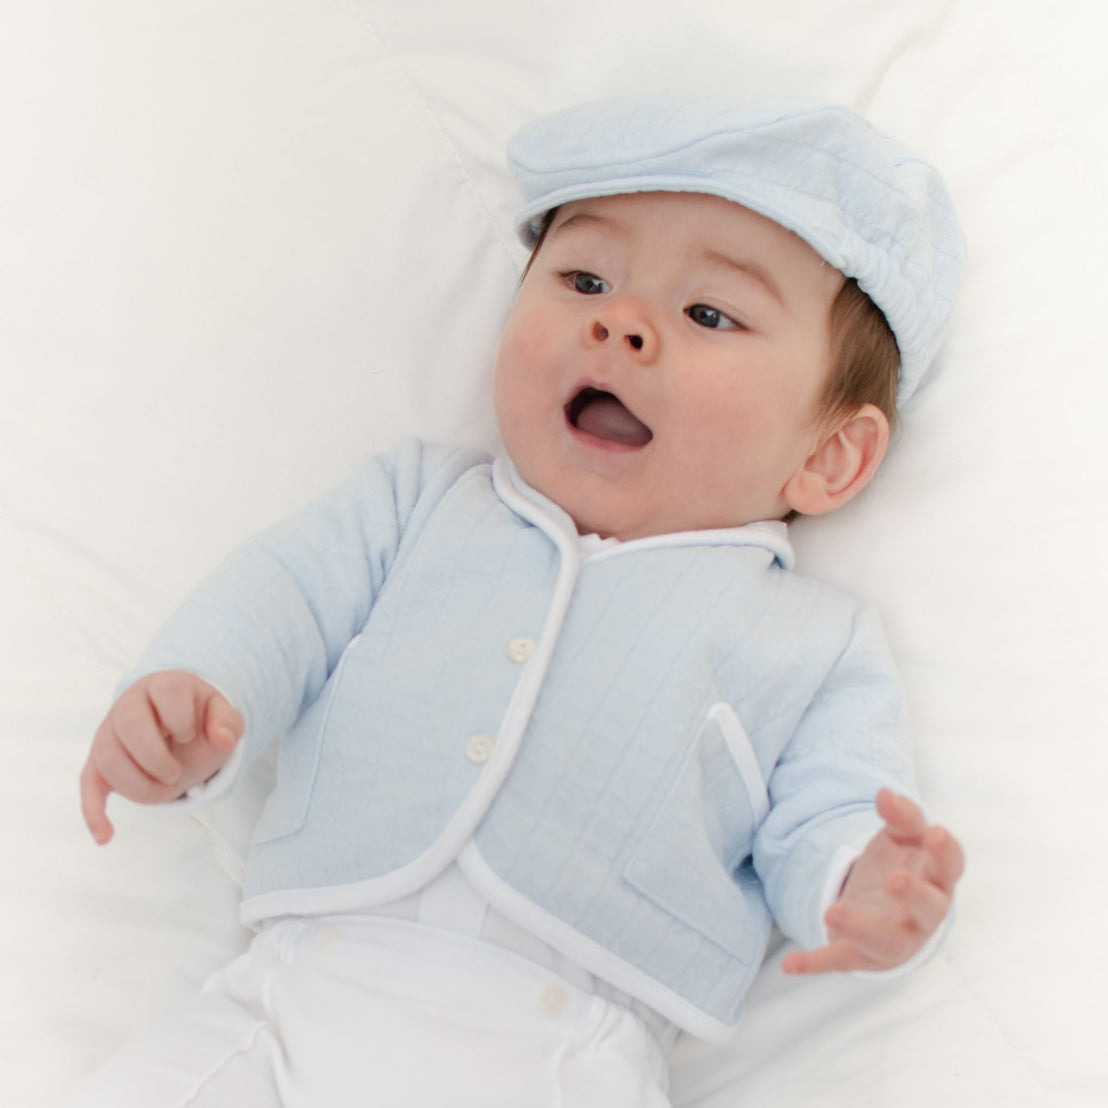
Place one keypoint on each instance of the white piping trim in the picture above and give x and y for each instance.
(587, 953)
(738, 743)
(532, 505)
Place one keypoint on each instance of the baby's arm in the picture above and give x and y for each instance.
(895, 897)
(267, 627)
(168, 732)
(849, 746)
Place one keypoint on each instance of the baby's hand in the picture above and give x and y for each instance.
(167, 732)
(896, 894)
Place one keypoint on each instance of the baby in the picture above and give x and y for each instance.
(561, 733)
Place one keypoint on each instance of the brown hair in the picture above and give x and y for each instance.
(547, 220)
(865, 360)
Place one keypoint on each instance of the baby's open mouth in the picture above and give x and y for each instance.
(604, 416)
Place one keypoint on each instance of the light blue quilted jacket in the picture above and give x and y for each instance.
(641, 755)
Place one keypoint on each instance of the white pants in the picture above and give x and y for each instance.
(375, 1011)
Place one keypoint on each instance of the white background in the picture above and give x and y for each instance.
(246, 241)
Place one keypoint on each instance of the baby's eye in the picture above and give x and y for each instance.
(711, 317)
(587, 283)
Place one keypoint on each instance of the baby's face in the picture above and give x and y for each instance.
(661, 367)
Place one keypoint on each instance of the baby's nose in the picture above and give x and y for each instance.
(601, 333)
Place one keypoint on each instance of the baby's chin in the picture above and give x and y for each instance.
(616, 513)
(590, 520)
(604, 505)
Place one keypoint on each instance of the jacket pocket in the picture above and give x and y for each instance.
(693, 860)
(298, 761)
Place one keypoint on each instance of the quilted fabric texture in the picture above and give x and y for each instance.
(866, 204)
(606, 797)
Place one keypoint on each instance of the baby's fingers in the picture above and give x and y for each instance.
(946, 860)
(109, 769)
(880, 943)
(833, 958)
(122, 774)
(904, 819)
(924, 905)
(144, 739)
(94, 804)
(172, 698)
(223, 725)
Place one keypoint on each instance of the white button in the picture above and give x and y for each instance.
(552, 999)
(519, 650)
(479, 748)
(326, 939)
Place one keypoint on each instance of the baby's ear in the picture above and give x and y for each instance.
(841, 465)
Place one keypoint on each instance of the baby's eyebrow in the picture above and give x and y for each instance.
(749, 268)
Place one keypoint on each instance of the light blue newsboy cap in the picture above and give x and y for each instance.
(873, 209)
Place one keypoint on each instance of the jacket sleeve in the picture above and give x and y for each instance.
(268, 625)
(850, 742)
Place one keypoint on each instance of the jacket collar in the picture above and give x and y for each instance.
(771, 535)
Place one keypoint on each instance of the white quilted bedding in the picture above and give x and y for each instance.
(245, 241)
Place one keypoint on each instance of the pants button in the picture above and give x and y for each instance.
(326, 939)
(552, 999)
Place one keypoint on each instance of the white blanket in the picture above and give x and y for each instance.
(246, 241)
